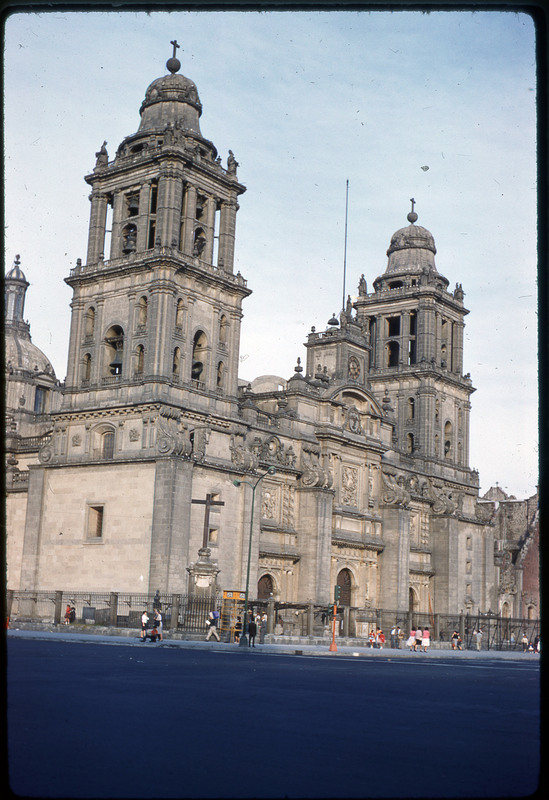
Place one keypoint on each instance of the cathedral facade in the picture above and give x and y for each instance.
(146, 462)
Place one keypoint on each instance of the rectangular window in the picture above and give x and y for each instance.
(213, 536)
(95, 522)
(40, 400)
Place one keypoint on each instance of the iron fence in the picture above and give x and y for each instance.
(188, 614)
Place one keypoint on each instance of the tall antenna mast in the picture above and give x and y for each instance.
(345, 249)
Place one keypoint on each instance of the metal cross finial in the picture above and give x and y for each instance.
(175, 47)
(413, 202)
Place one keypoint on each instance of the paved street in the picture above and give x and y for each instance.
(124, 719)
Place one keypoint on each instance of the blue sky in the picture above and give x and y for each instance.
(307, 101)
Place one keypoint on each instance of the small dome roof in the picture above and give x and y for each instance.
(16, 273)
(169, 100)
(21, 353)
(412, 249)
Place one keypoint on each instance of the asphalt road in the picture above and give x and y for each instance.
(97, 720)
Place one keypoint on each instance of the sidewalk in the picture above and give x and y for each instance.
(131, 638)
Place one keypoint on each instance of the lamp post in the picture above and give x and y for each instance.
(271, 471)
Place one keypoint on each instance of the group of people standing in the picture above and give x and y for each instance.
(156, 631)
(376, 639)
(419, 640)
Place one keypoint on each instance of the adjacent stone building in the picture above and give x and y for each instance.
(130, 484)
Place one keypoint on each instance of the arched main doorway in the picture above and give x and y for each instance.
(265, 587)
(344, 581)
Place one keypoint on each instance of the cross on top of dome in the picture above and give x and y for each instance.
(174, 64)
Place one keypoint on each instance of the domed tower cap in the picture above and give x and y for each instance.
(16, 273)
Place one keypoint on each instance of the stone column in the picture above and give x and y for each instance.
(189, 219)
(169, 208)
(117, 218)
(458, 347)
(143, 217)
(211, 205)
(98, 222)
(227, 231)
(75, 339)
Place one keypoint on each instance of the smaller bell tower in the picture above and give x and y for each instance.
(415, 328)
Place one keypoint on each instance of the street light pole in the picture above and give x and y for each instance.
(271, 471)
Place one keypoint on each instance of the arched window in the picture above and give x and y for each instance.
(220, 374)
(90, 322)
(199, 242)
(86, 368)
(344, 581)
(142, 308)
(223, 329)
(409, 442)
(265, 587)
(411, 408)
(140, 359)
(448, 444)
(176, 366)
(114, 350)
(443, 354)
(393, 354)
(129, 239)
(179, 311)
(199, 356)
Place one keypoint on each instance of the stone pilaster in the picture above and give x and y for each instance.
(170, 525)
(30, 559)
(395, 560)
(315, 524)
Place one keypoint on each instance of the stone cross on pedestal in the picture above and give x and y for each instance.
(203, 573)
(208, 502)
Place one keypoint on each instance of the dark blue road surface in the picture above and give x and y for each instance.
(93, 720)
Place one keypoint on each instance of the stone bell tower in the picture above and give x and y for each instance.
(156, 309)
(415, 331)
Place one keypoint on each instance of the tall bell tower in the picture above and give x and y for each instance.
(156, 308)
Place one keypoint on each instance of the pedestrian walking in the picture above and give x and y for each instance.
(212, 622)
(395, 637)
(411, 641)
(252, 631)
(67, 615)
(419, 639)
(158, 623)
(455, 637)
(372, 639)
(72, 615)
(144, 620)
(237, 629)
(524, 643)
(425, 639)
(380, 639)
(477, 635)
